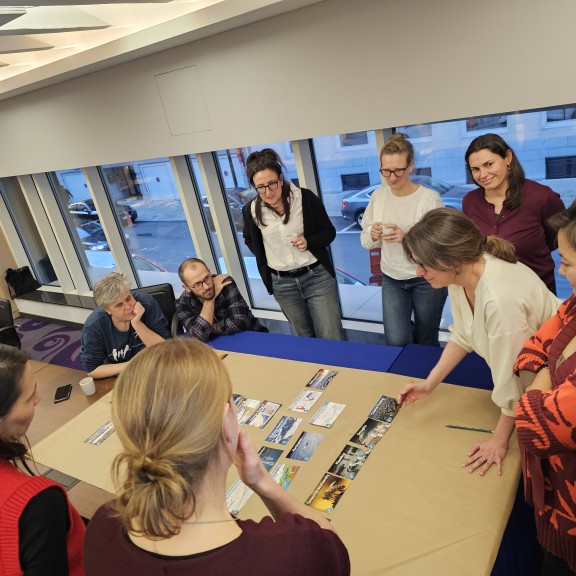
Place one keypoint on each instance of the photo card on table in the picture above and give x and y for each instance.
(305, 400)
(385, 409)
(328, 492)
(370, 433)
(322, 378)
(327, 414)
(284, 430)
(305, 446)
(263, 414)
(349, 462)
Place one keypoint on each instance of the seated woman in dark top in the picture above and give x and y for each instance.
(177, 448)
(40, 532)
(122, 324)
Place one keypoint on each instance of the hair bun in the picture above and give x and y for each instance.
(149, 470)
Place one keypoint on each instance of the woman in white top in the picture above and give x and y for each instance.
(496, 304)
(392, 210)
(289, 231)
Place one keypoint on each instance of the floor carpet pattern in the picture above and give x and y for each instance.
(50, 343)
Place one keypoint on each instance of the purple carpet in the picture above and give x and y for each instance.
(50, 343)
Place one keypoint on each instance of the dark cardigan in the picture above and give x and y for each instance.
(318, 231)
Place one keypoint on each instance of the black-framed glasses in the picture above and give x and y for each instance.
(420, 265)
(206, 280)
(398, 172)
(272, 186)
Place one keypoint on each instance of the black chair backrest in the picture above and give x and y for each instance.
(164, 295)
(8, 333)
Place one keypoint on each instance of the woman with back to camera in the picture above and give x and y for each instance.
(41, 534)
(288, 230)
(496, 304)
(122, 324)
(546, 417)
(509, 206)
(392, 210)
(177, 448)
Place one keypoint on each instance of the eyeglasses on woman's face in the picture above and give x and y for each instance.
(420, 265)
(398, 172)
(272, 186)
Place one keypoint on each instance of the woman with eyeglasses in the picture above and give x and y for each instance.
(392, 210)
(288, 230)
(496, 304)
(508, 205)
(178, 446)
(121, 325)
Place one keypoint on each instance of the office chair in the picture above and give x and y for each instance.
(8, 333)
(164, 295)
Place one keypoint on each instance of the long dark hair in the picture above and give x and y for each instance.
(516, 178)
(12, 365)
(268, 159)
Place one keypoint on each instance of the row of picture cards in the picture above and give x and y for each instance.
(335, 482)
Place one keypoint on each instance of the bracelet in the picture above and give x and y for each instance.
(544, 366)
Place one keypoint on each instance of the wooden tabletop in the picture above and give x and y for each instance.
(49, 417)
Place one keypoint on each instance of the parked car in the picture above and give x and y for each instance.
(354, 205)
(235, 207)
(86, 210)
(91, 235)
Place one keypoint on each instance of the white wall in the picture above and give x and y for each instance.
(337, 66)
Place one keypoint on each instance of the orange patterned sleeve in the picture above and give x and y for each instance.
(535, 351)
(546, 421)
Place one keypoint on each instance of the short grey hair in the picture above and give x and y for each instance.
(109, 289)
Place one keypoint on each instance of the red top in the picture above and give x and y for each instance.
(525, 227)
(17, 489)
(546, 425)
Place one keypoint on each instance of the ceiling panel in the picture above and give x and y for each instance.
(13, 44)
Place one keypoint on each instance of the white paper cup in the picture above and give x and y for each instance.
(87, 385)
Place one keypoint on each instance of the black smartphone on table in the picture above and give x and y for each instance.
(62, 393)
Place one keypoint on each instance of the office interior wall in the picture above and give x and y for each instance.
(334, 67)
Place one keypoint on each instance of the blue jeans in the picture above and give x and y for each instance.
(401, 298)
(310, 302)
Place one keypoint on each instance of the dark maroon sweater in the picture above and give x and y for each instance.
(525, 226)
(292, 546)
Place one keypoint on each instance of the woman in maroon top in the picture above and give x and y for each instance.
(175, 417)
(509, 206)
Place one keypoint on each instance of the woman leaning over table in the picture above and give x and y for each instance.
(41, 534)
(392, 210)
(546, 417)
(177, 448)
(509, 206)
(496, 303)
(288, 230)
(122, 324)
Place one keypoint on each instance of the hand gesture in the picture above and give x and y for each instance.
(413, 391)
(376, 231)
(484, 454)
(219, 282)
(138, 312)
(248, 462)
(300, 243)
(392, 233)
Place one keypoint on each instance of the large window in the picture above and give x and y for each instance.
(345, 205)
(152, 218)
(27, 231)
(83, 221)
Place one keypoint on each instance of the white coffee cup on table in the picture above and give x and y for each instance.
(88, 386)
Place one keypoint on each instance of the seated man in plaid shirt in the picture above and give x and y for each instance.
(212, 304)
